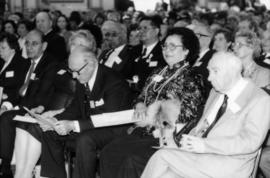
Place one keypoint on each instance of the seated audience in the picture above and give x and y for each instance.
(108, 94)
(127, 156)
(36, 90)
(223, 39)
(228, 136)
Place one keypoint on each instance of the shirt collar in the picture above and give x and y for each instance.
(234, 92)
(149, 48)
(92, 80)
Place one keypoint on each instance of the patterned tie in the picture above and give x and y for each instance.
(220, 112)
(24, 87)
(87, 100)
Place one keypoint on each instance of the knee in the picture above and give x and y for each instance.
(85, 141)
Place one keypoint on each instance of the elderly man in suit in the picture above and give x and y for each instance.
(99, 90)
(36, 90)
(232, 129)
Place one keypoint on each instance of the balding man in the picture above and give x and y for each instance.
(116, 53)
(99, 90)
(231, 131)
(56, 44)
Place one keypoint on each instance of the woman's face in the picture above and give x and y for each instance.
(22, 30)
(241, 48)
(5, 51)
(9, 28)
(173, 50)
(220, 42)
(79, 41)
(62, 23)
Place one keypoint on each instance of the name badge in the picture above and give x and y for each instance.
(153, 64)
(92, 104)
(33, 76)
(9, 74)
(267, 61)
(61, 72)
(100, 102)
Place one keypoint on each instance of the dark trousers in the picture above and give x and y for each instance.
(7, 133)
(87, 146)
(126, 157)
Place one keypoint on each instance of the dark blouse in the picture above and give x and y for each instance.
(179, 81)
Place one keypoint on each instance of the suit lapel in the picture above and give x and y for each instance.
(97, 84)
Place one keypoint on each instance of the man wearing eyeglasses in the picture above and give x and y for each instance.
(116, 54)
(204, 34)
(36, 90)
(151, 53)
(99, 90)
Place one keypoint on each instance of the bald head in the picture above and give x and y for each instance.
(82, 62)
(224, 71)
(43, 22)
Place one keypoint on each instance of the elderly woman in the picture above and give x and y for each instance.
(222, 40)
(28, 136)
(126, 157)
(247, 48)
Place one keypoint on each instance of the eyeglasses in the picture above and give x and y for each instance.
(199, 35)
(239, 45)
(170, 46)
(77, 72)
(144, 28)
(112, 34)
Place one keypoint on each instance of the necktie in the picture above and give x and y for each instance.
(220, 112)
(87, 94)
(144, 52)
(24, 87)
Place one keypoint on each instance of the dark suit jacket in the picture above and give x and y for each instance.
(13, 76)
(142, 68)
(127, 55)
(41, 88)
(110, 93)
(56, 46)
(202, 69)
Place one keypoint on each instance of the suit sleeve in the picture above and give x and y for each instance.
(250, 137)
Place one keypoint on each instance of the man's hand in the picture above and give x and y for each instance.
(64, 127)
(140, 111)
(38, 110)
(192, 144)
(46, 127)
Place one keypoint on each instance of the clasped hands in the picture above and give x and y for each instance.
(192, 144)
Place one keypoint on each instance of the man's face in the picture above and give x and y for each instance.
(80, 66)
(203, 36)
(111, 36)
(34, 45)
(219, 75)
(43, 22)
(147, 31)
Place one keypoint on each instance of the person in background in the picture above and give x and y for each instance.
(56, 44)
(133, 35)
(223, 40)
(23, 28)
(10, 27)
(247, 48)
(226, 141)
(63, 27)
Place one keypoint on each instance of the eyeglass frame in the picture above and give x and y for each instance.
(240, 45)
(199, 35)
(170, 46)
(78, 72)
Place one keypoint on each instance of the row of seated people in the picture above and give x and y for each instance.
(108, 93)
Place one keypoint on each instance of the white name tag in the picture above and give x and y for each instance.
(100, 102)
(33, 76)
(267, 61)
(153, 64)
(9, 74)
(92, 104)
(61, 72)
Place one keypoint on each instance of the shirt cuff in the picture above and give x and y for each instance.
(7, 104)
(76, 126)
